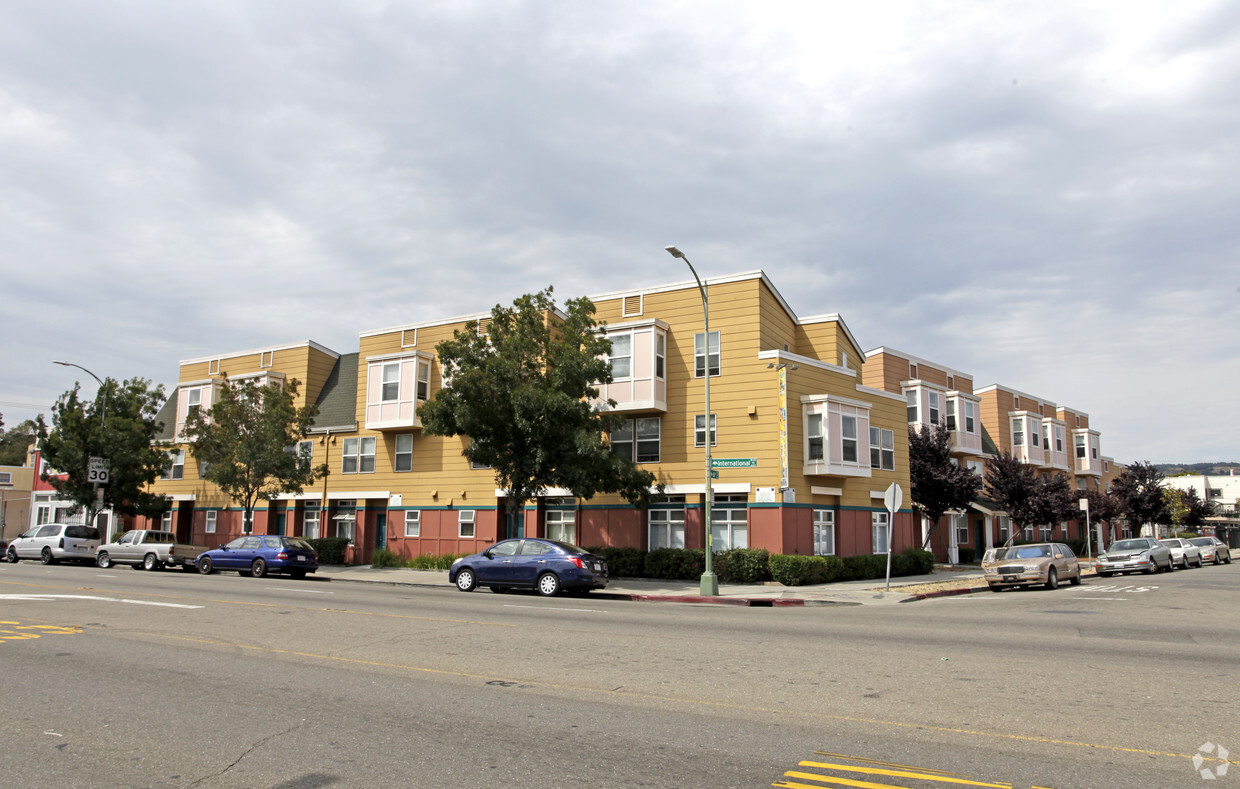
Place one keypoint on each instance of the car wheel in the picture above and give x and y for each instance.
(46, 557)
(548, 584)
(150, 562)
(1076, 579)
(1052, 578)
(1227, 559)
(11, 555)
(258, 569)
(103, 560)
(1199, 562)
(466, 580)
(204, 566)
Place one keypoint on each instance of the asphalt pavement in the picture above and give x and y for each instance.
(868, 592)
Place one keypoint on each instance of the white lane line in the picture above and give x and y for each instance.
(51, 597)
(298, 589)
(542, 608)
(1098, 598)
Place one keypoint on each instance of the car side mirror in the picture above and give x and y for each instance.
(1059, 556)
(487, 554)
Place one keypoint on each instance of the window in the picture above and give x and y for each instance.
(310, 522)
(1046, 532)
(622, 356)
(667, 524)
(848, 434)
(211, 516)
(911, 397)
(268, 359)
(424, 380)
(1093, 450)
(561, 524)
(961, 525)
(358, 456)
(404, 452)
(390, 390)
(813, 431)
(702, 355)
(824, 532)
(1033, 435)
(1005, 528)
(6, 477)
(247, 522)
(465, 523)
(699, 430)
(934, 407)
(1080, 447)
(969, 414)
(844, 359)
(413, 523)
(193, 399)
(882, 449)
(878, 525)
(975, 466)
(176, 465)
(165, 521)
(345, 519)
(644, 433)
(1018, 432)
(951, 414)
(660, 354)
(1046, 436)
(213, 367)
(729, 526)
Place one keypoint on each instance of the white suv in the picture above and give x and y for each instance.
(54, 542)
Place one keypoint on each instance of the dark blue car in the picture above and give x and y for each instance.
(545, 565)
(259, 555)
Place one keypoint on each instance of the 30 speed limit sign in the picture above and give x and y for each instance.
(97, 471)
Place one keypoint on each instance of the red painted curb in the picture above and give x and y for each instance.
(944, 593)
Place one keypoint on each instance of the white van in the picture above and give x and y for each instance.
(55, 542)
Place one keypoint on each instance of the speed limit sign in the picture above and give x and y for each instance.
(97, 471)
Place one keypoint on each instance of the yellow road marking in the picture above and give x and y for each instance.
(891, 765)
(11, 633)
(827, 780)
(898, 774)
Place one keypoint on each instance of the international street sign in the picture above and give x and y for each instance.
(733, 462)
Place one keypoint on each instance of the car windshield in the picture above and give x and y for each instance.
(1171, 543)
(1130, 545)
(1023, 552)
(1203, 541)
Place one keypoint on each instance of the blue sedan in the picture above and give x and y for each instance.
(545, 565)
(258, 555)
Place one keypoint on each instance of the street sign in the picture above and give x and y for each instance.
(893, 498)
(714, 473)
(97, 471)
(733, 462)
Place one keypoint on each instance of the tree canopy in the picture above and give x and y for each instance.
(1028, 499)
(122, 434)
(16, 441)
(1186, 510)
(938, 483)
(520, 389)
(1138, 488)
(248, 441)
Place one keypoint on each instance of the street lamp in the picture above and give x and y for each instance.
(710, 584)
(103, 424)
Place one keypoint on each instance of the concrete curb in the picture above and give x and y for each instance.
(945, 593)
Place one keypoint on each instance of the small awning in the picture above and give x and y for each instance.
(987, 507)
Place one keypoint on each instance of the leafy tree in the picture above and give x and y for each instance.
(1103, 508)
(248, 439)
(1138, 488)
(15, 442)
(939, 484)
(123, 434)
(1014, 487)
(1186, 510)
(521, 393)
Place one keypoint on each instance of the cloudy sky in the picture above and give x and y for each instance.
(1043, 194)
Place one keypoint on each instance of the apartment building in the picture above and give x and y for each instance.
(804, 447)
(16, 489)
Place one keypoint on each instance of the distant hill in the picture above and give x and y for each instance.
(1179, 469)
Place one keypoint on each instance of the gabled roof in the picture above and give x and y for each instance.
(168, 416)
(338, 399)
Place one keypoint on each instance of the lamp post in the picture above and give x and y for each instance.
(710, 584)
(103, 424)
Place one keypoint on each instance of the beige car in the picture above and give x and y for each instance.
(1037, 564)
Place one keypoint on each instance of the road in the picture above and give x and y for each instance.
(127, 678)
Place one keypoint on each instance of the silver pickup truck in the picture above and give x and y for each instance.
(149, 550)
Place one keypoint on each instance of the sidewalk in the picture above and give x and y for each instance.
(870, 592)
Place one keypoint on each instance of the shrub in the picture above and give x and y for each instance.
(623, 562)
(743, 566)
(385, 558)
(676, 564)
(429, 561)
(804, 570)
(967, 555)
(920, 562)
(330, 549)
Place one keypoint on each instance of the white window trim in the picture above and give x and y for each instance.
(699, 433)
(706, 344)
(209, 521)
(413, 523)
(466, 518)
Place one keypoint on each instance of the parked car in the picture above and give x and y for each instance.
(148, 549)
(55, 542)
(1183, 552)
(1036, 564)
(258, 555)
(1144, 554)
(546, 565)
(1212, 549)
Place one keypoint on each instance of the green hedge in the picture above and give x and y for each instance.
(427, 561)
(330, 549)
(623, 562)
(743, 566)
(805, 570)
(675, 564)
(967, 555)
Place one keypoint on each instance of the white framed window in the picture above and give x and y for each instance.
(209, 521)
(176, 465)
(848, 436)
(702, 355)
(465, 523)
(267, 359)
(389, 391)
(424, 380)
(1059, 438)
(1005, 528)
(878, 525)
(6, 477)
(814, 437)
(403, 460)
(1046, 436)
(641, 435)
(213, 367)
(621, 356)
(934, 407)
(970, 415)
(358, 455)
(950, 412)
(699, 430)
(561, 524)
(975, 466)
(1080, 447)
(1018, 432)
(345, 519)
(660, 354)
(1033, 434)
(961, 524)
(193, 400)
(729, 524)
(165, 521)
(882, 449)
(667, 524)
(310, 522)
(824, 532)
(247, 522)
(413, 523)
(910, 397)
